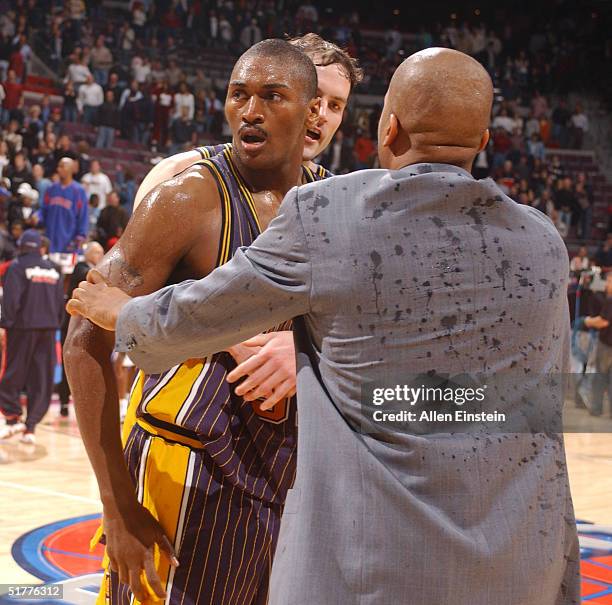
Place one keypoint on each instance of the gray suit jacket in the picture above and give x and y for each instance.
(387, 273)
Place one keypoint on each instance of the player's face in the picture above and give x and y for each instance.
(267, 113)
(333, 91)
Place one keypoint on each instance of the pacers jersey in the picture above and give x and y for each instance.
(309, 175)
(193, 403)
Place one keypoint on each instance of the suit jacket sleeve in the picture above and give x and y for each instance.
(261, 286)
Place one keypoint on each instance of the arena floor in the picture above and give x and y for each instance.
(49, 509)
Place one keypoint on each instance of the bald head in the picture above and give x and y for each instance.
(65, 169)
(437, 109)
(93, 253)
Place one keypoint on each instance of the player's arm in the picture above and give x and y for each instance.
(162, 231)
(261, 286)
(164, 170)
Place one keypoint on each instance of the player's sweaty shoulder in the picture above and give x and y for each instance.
(192, 191)
(173, 219)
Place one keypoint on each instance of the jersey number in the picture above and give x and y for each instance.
(279, 413)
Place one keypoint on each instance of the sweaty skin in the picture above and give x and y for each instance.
(437, 110)
(265, 94)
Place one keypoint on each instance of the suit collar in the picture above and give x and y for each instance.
(426, 167)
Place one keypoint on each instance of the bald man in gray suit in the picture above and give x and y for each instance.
(412, 269)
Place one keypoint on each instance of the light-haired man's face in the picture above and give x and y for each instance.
(333, 89)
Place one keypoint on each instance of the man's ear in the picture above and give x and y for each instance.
(312, 119)
(485, 139)
(391, 131)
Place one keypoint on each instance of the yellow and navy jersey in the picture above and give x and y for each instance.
(309, 175)
(194, 404)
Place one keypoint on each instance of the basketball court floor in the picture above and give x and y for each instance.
(49, 510)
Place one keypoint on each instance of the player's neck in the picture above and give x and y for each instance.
(278, 179)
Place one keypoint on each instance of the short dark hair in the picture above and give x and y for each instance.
(292, 58)
(322, 53)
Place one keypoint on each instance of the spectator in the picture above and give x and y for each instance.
(97, 182)
(113, 220)
(141, 70)
(65, 212)
(101, 61)
(365, 149)
(16, 231)
(200, 82)
(69, 109)
(126, 186)
(89, 100)
(250, 34)
(41, 184)
(599, 319)
(19, 172)
(45, 109)
(108, 121)
(560, 119)
(4, 157)
(226, 32)
(13, 138)
(78, 72)
(22, 207)
(214, 113)
(579, 126)
(539, 105)
(184, 98)
(603, 256)
(565, 203)
(63, 148)
(32, 311)
(580, 262)
(32, 128)
(182, 132)
(173, 74)
(13, 93)
(114, 87)
(536, 147)
(505, 121)
(94, 215)
(585, 211)
(163, 99)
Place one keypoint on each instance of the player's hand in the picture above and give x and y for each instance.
(243, 351)
(96, 301)
(130, 545)
(599, 323)
(270, 372)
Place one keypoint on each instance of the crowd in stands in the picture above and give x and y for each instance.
(124, 77)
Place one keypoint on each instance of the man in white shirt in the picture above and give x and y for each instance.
(90, 97)
(95, 181)
(78, 73)
(503, 120)
(184, 98)
(580, 125)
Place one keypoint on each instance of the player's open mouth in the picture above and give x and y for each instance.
(313, 135)
(252, 138)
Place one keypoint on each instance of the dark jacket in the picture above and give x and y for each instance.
(33, 294)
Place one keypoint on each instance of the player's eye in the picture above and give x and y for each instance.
(273, 96)
(238, 94)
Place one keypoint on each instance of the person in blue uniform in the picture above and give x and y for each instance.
(32, 310)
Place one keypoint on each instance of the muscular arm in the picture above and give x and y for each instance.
(162, 233)
(261, 286)
(164, 170)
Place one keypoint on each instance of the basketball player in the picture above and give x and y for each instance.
(205, 474)
(337, 74)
